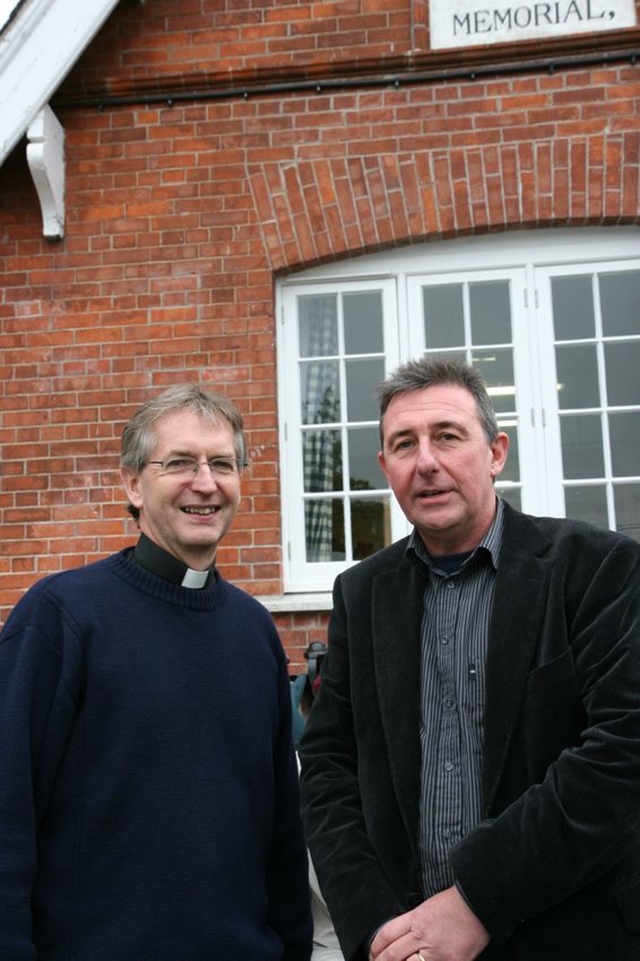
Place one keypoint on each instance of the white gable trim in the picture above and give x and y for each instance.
(38, 47)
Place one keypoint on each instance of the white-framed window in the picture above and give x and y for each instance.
(551, 318)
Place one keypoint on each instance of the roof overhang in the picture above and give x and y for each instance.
(39, 44)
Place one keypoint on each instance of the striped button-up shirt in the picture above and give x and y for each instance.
(457, 606)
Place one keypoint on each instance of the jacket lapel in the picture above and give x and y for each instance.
(518, 608)
(397, 610)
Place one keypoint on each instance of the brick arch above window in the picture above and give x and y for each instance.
(317, 210)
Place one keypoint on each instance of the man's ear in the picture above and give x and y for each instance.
(499, 450)
(131, 482)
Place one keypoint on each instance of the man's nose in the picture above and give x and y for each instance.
(204, 478)
(426, 459)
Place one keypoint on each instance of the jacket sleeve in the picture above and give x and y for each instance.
(37, 710)
(353, 882)
(580, 817)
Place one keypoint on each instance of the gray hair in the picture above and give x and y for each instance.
(139, 435)
(429, 372)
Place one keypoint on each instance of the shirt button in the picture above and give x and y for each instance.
(445, 639)
(448, 766)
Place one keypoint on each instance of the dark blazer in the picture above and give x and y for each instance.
(553, 871)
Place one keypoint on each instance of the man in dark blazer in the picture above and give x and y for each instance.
(540, 822)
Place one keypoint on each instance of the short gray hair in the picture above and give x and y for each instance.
(429, 372)
(139, 435)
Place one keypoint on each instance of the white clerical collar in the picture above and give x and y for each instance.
(196, 579)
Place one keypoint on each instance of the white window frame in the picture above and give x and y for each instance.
(528, 259)
(301, 575)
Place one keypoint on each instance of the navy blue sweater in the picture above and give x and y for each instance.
(148, 790)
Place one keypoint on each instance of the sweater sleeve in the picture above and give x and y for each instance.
(36, 713)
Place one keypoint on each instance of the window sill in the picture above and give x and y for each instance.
(294, 603)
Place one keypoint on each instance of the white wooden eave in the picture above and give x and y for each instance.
(39, 43)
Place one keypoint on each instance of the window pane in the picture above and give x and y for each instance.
(324, 530)
(363, 322)
(364, 469)
(370, 526)
(582, 454)
(622, 362)
(318, 325)
(496, 367)
(624, 431)
(443, 316)
(322, 456)
(587, 504)
(490, 310)
(577, 372)
(363, 377)
(572, 304)
(320, 392)
(627, 501)
(620, 302)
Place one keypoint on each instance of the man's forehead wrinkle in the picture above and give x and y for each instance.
(432, 425)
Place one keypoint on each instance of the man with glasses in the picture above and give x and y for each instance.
(148, 787)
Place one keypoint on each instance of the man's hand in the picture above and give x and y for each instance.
(443, 928)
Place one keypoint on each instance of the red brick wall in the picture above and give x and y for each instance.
(182, 211)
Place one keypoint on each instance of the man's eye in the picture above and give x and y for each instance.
(222, 466)
(403, 445)
(180, 463)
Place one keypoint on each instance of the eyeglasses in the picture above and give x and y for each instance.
(188, 467)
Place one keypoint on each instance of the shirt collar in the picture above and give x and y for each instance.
(491, 542)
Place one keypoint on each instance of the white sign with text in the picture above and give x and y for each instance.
(463, 23)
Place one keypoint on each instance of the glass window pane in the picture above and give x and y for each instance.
(364, 469)
(572, 304)
(363, 377)
(577, 373)
(363, 322)
(370, 526)
(511, 470)
(496, 367)
(322, 461)
(443, 316)
(622, 363)
(490, 310)
(320, 392)
(627, 502)
(624, 431)
(620, 302)
(318, 325)
(324, 530)
(587, 504)
(582, 454)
